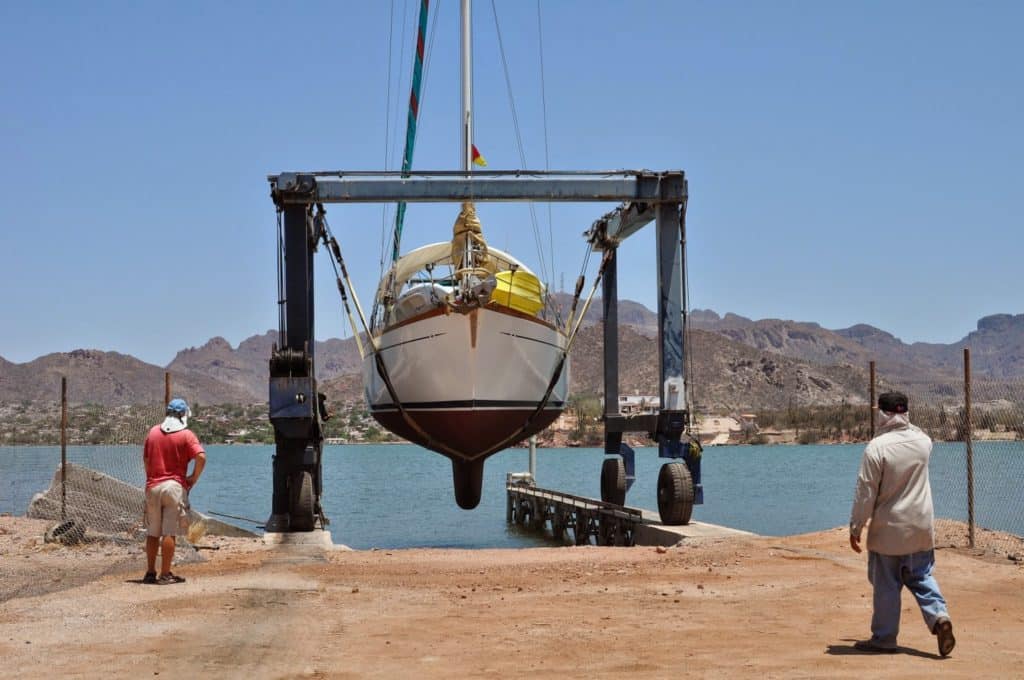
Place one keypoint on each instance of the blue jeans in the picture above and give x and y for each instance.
(888, 574)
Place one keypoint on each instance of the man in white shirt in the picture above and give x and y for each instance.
(894, 493)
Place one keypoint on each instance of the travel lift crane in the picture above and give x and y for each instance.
(298, 410)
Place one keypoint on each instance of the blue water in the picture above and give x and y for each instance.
(394, 496)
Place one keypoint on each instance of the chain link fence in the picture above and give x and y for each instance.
(90, 455)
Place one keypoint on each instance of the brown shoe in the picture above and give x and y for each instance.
(944, 632)
(874, 647)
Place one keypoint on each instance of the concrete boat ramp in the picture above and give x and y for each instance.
(653, 532)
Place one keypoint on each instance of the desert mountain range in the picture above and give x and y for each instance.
(733, 363)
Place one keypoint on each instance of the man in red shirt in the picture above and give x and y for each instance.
(166, 454)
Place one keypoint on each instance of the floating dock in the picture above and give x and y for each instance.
(592, 521)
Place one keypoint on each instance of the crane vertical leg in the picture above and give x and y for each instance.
(610, 313)
(615, 482)
(677, 489)
(296, 410)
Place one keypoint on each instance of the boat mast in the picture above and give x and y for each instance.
(466, 133)
(467, 117)
(410, 126)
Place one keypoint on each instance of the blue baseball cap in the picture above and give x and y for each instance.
(177, 407)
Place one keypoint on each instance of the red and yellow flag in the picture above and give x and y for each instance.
(477, 158)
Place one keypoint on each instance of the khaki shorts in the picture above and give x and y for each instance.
(166, 509)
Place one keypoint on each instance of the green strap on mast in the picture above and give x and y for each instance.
(410, 128)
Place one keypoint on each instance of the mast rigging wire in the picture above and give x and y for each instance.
(387, 129)
(423, 66)
(412, 119)
(544, 117)
(390, 145)
(519, 143)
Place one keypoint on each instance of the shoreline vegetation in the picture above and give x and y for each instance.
(39, 424)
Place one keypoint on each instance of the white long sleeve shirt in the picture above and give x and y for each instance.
(893, 491)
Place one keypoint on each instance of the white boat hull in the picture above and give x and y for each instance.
(469, 384)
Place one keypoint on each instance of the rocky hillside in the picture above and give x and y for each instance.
(725, 375)
(997, 347)
(246, 369)
(632, 314)
(106, 378)
(734, 362)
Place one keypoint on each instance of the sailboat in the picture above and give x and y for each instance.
(467, 357)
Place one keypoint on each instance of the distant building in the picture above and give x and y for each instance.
(637, 404)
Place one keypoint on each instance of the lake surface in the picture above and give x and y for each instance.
(395, 496)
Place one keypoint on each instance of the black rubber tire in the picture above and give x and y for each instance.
(613, 481)
(303, 506)
(468, 478)
(675, 494)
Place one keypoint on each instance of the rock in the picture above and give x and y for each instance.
(68, 532)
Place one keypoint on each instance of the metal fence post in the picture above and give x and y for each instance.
(63, 447)
(969, 427)
(871, 401)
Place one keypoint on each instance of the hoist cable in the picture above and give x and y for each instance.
(689, 381)
(334, 249)
(281, 298)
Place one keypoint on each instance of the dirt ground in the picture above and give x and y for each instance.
(736, 607)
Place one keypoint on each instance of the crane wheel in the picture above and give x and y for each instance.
(675, 494)
(303, 504)
(613, 481)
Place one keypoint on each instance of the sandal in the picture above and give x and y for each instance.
(169, 578)
(150, 577)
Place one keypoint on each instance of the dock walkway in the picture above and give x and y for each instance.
(588, 519)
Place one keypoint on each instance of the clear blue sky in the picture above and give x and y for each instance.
(848, 162)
